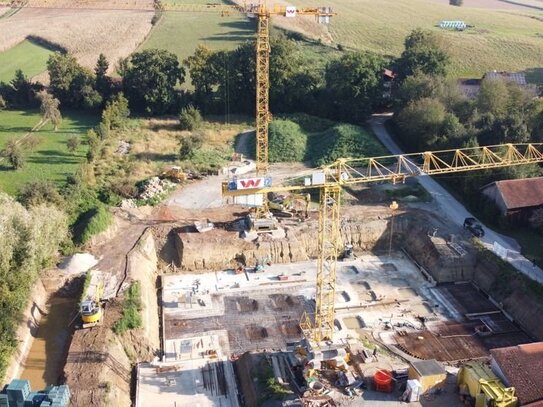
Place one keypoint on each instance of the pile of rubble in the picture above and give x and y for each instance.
(154, 186)
(124, 147)
(128, 204)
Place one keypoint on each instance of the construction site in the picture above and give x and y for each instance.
(285, 285)
(226, 333)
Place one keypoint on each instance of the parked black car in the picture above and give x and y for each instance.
(474, 227)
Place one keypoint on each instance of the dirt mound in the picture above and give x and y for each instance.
(78, 263)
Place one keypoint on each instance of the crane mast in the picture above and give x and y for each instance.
(262, 89)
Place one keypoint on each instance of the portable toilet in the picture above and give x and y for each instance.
(413, 391)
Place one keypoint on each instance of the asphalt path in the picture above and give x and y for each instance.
(505, 247)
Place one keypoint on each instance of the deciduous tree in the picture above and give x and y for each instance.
(72, 84)
(50, 109)
(354, 85)
(150, 79)
(423, 52)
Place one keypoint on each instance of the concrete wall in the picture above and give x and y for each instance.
(431, 253)
(521, 304)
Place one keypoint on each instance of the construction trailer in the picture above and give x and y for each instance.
(477, 381)
(430, 374)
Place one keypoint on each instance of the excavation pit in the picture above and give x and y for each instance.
(343, 297)
(291, 329)
(365, 284)
(256, 332)
(354, 322)
(245, 305)
(282, 302)
(388, 267)
(372, 296)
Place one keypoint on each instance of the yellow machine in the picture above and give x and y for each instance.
(175, 174)
(91, 308)
(478, 382)
(286, 206)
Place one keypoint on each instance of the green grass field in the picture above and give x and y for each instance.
(502, 40)
(181, 32)
(50, 160)
(29, 57)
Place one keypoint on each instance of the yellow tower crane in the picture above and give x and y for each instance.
(262, 12)
(396, 168)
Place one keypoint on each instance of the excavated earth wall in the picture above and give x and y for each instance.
(219, 249)
(27, 330)
(438, 258)
(99, 363)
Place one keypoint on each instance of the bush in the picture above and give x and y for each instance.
(72, 144)
(189, 146)
(131, 318)
(287, 141)
(35, 193)
(342, 140)
(14, 154)
(190, 118)
(124, 188)
(95, 221)
(456, 2)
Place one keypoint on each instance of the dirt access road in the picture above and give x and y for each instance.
(207, 193)
(453, 210)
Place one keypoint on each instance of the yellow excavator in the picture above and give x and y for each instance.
(174, 174)
(91, 307)
(286, 206)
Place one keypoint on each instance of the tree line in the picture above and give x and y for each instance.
(430, 110)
